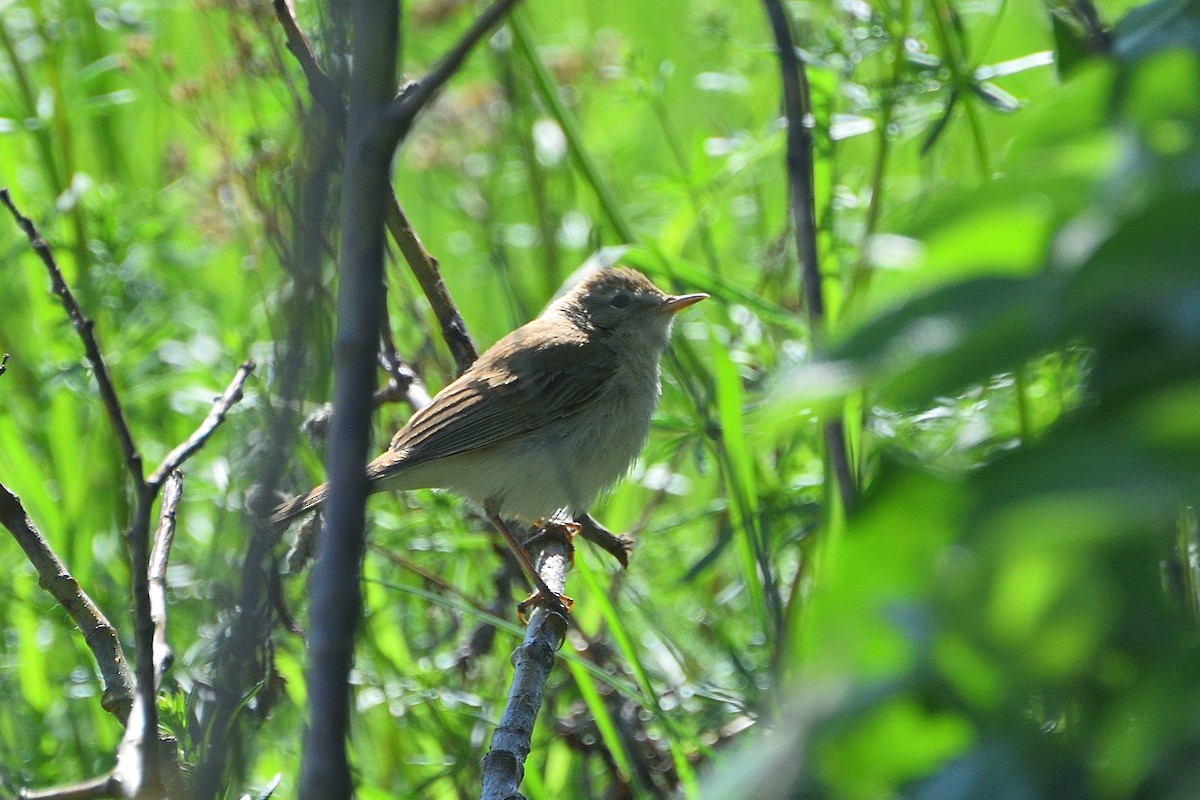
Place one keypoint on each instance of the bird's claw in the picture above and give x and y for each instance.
(558, 603)
(562, 530)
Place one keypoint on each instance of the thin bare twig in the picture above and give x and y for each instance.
(400, 388)
(86, 330)
(145, 706)
(152, 765)
(216, 415)
(137, 536)
(428, 274)
(398, 118)
(403, 381)
(400, 113)
(323, 89)
(797, 109)
(156, 573)
(53, 576)
(143, 768)
(619, 547)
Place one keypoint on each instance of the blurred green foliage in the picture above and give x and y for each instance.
(1012, 262)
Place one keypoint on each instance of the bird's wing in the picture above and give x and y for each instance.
(506, 396)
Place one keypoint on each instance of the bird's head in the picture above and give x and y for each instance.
(622, 305)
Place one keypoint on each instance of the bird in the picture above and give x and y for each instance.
(545, 420)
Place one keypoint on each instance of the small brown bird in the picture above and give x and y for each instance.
(548, 417)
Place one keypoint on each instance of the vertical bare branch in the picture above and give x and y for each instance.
(137, 538)
(797, 110)
(335, 590)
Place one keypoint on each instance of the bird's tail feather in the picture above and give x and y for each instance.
(298, 506)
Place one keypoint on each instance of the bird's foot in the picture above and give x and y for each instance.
(557, 603)
(550, 532)
(543, 594)
(562, 530)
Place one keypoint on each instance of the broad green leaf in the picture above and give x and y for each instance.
(941, 342)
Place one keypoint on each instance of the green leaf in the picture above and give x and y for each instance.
(941, 342)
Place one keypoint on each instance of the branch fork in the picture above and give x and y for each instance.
(131, 698)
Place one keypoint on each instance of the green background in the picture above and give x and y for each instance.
(1011, 259)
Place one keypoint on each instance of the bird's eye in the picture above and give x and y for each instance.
(620, 300)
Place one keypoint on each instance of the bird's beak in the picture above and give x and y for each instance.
(682, 301)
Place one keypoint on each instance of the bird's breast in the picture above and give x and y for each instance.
(565, 463)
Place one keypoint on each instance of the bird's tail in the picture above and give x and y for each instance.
(298, 506)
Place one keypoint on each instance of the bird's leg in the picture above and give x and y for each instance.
(542, 593)
(618, 547)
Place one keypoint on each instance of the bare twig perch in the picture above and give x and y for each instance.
(504, 765)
